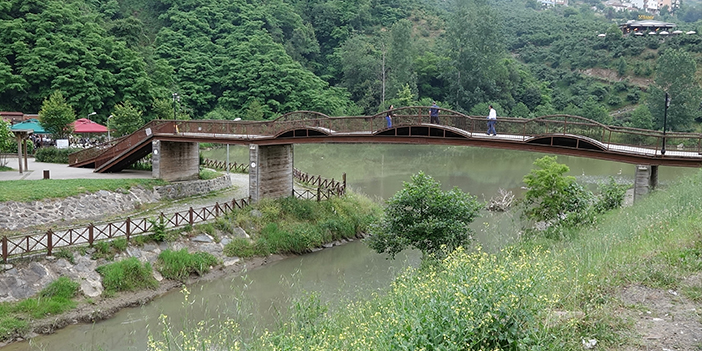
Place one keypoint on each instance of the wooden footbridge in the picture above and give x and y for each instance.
(555, 134)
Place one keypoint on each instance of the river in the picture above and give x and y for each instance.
(262, 296)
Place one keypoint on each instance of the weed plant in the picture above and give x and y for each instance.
(206, 174)
(292, 225)
(178, 265)
(126, 275)
(65, 254)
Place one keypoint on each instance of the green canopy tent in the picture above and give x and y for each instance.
(30, 124)
(22, 131)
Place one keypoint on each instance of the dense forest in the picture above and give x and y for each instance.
(255, 59)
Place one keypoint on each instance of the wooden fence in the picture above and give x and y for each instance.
(13, 247)
(233, 166)
(50, 241)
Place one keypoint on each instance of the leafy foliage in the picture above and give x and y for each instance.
(424, 217)
(56, 116)
(54, 155)
(550, 194)
(127, 119)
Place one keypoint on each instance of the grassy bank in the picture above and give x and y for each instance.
(32, 190)
(56, 298)
(542, 294)
(297, 226)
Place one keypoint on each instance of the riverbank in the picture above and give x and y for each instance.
(632, 281)
(295, 223)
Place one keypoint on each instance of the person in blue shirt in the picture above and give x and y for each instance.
(388, 117)
(434, 113)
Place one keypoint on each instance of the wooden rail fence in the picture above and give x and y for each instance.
(13, 247)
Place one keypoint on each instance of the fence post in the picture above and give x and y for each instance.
(49, 242)
(91, 238)
(129, 226)
(318, 194)
(190, 214)
(216, 209)
(4, 248)
(343, 190)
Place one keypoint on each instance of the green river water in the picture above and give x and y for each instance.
(261, 297)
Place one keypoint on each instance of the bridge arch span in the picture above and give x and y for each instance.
(423, 130)
(302, 132)
(567, 140)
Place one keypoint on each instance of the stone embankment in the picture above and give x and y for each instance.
(18, 215)
(23, 279)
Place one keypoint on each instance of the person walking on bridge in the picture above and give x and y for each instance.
(434, 113)
(388, 117)
(492, 119)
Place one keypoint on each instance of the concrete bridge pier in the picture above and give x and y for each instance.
(174, 161)
(645, 180)
(270, 171)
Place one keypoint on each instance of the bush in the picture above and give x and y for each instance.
(178, 265)
(611, 196)
(126, 275)
(54, 155)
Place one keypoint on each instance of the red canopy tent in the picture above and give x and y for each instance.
(84, 125)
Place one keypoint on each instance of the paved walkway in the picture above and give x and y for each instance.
(62, 171)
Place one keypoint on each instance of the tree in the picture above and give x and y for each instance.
(551, 194)
(126, 120)
(56, 116)
(521, 110)
(676, 75)
(424, 217)
(6, 138)
(641, 118)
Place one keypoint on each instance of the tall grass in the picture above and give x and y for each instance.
(293, 225)
(127, 275)
(179, 265)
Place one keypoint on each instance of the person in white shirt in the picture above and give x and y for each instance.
(492, 120)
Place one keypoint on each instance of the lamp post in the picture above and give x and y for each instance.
(665, 121)
(91, 114)
(176, 97)
(108, 128)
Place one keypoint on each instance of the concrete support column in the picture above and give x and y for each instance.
(174, 161)
(270, 171)
(645, 180)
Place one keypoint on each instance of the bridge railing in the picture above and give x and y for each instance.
(611, 138)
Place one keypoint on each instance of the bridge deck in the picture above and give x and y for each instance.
(559, 134)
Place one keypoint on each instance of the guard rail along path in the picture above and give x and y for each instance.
(21, 246)
(559, 134)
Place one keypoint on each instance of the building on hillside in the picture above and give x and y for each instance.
(16, 117)
(648, 27)
(554, 2)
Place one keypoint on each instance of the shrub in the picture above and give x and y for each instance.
(54, 155)
(178, 265)
(126, 275)
(159, 229)
(611, 196)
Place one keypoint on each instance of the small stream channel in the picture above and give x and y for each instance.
(258, 299)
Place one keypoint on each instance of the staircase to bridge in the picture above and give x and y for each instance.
(173, 143)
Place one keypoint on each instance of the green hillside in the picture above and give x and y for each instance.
(257, 59)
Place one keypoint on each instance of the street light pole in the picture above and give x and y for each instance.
(176, 97)
(92, 114)
(665, 121)
(108, 128)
